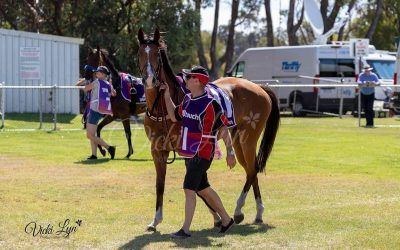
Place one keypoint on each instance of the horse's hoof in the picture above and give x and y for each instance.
(127, 156)
(103, 152)
(258, 221)
(151, 228)
(218, 223)
(238, 218)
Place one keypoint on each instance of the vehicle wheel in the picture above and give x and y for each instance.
(297, 109)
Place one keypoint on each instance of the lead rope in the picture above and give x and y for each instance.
(165, 125)
(164, 119)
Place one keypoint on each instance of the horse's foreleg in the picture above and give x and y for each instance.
(217, 218)
(259, 204)
(159, 158)
(128, 135)
(107, 120)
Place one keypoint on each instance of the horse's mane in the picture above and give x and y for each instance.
(109, 63)
(167, 68)
(170, 73)
(105, 52)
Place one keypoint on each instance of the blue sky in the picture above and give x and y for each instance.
(207, 15)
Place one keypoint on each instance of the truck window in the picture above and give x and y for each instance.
(336, 68)
(327, 68)
(238, 70)
(383, 69)
(345, 67)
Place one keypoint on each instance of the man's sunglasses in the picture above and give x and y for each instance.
(187, 77)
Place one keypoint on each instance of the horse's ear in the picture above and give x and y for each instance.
(89, 50)
(156, 36)
(98, 48)
(115, 53)
(141, 36)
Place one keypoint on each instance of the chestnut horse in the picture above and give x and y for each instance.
(255, 109)
(122, 109)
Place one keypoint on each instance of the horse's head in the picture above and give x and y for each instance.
(149, 57)
(94, 59)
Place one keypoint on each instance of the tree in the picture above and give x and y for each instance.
(270, 28)
(387, 29)
(330, 18)
(215, 62)
(349, 9)
(291, 27)
(198, 40)
(377, 16)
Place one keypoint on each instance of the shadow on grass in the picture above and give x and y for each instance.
(202, 238)
(103, 160)
(150, 159)
(47, 117)
(92, 162)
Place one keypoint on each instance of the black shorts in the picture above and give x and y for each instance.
(196, 173)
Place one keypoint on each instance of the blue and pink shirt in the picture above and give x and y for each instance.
(201, 118)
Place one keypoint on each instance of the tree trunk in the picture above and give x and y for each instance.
(213, 51)
(291, 27)
(270, 29)
(377, 16)
(329, 20)
(198, 40)
(230, 44)
(34, 26)
(58, 6)
(341, 31)
(324, 13)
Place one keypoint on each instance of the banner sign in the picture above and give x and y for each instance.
(29, 63)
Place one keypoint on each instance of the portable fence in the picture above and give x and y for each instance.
(56, 92)
(340, 113)
(43, 95)
(2, 103)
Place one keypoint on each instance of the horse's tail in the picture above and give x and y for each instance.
(270, 132)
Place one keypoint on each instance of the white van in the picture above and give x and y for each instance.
(330, 61)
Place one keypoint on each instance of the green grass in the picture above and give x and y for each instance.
(328, 184)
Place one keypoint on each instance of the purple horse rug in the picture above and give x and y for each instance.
(131, 85)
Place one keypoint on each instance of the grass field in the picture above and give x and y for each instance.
(328, 184)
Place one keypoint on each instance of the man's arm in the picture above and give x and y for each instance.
(221, 124)
(230, 153)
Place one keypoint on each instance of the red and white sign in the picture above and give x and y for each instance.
(29, 63)
(359, 47)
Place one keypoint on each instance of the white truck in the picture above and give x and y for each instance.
(335, 61)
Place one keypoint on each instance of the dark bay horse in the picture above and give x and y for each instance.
(255, 109)
(122, 109)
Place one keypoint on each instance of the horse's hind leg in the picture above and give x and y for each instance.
(128, 135)
(250, 177)
(238, 215)
(107, 120)
(259, 204)
(245, 161)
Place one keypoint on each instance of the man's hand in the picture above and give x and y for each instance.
(231, 159)
(165, 87)
(163, 45)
